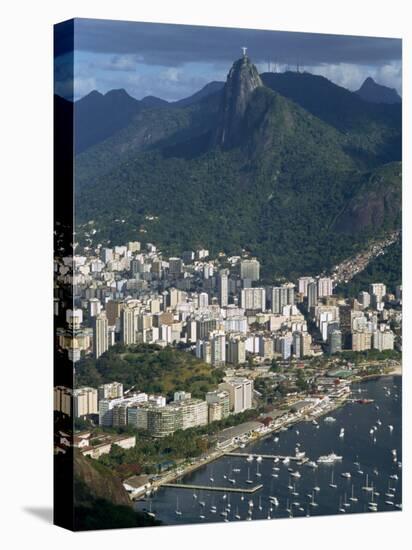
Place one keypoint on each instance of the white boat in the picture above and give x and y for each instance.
(295, 474)
(328, 459)
(250, 458)
(275, 439)
(389, 502)
(330, 419)
(248, 477)
(259, 459)
(286, 460)
(201, 516)
(394, 476)
(312, 502)
(316, 488)
(352, 498)
(332, 482)
(274, 501)
(390, 428)
(347, 475)
(178, 511)
(258, 474)
(311, 464)
(346, 504)
(367, 487)
(341, 509)
(342, 432)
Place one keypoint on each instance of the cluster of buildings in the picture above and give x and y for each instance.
(110, 406)
(215, 308)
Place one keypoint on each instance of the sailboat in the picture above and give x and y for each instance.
(332, 482)
(260, 503)
(237, 516)
(149, 512)
(258, 474)
(313, 503)
(294, 492)
(373, 506)
(352, 498)
(346, 504)
(248, 477)
(367, 487)
(211, 478)
(341, 508)
(178, 511)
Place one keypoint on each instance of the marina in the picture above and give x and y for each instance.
(358, 473)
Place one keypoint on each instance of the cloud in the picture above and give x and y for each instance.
(174, 61)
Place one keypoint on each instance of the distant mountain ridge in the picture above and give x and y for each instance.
(275, 163)
(377, 93)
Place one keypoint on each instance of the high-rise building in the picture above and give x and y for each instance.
(218, 404)
(100, 335)
(203, 300)
(312, 294)
(250, 269)
(303, 283)
(325, 286)
(383, 340)
(85, 402)
(236, 350)
(297, 344)
(361, 340)
(128, 326)
(253, 298)
(335, 341)
(285, 347)
(265, 347)
(113, 390)
(163, 421)
(305, 344)
(175, 266)
(378, 290)
(364, 298)
(94, 307)
(63, 398)
(218, 348)
(282, 296)
(240, 392)
(223, 291)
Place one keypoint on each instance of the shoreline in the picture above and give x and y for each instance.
(287, 423)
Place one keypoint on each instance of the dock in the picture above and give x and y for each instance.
(247, 490)
(268, 457)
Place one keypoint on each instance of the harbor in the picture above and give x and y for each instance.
(356, 472)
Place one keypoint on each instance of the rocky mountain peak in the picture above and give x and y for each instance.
(242, 80)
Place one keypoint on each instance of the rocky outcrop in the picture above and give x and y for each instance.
(242, 81)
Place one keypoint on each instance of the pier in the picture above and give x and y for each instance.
(249, 490)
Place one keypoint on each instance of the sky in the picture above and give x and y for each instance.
(174, 61)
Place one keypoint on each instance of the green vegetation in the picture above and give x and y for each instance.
(358, 357)
(150, 369)
(182, 445)
(284, 193)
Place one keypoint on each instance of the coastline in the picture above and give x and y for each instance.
(286, 423)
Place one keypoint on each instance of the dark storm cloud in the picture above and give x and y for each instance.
(174, 45)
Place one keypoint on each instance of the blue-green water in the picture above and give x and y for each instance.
(296, 496)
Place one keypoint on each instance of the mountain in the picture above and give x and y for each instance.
(210, 88)
(242, 80)
(98, 116)
(373, 131)
(377, 93)
(274, 164)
